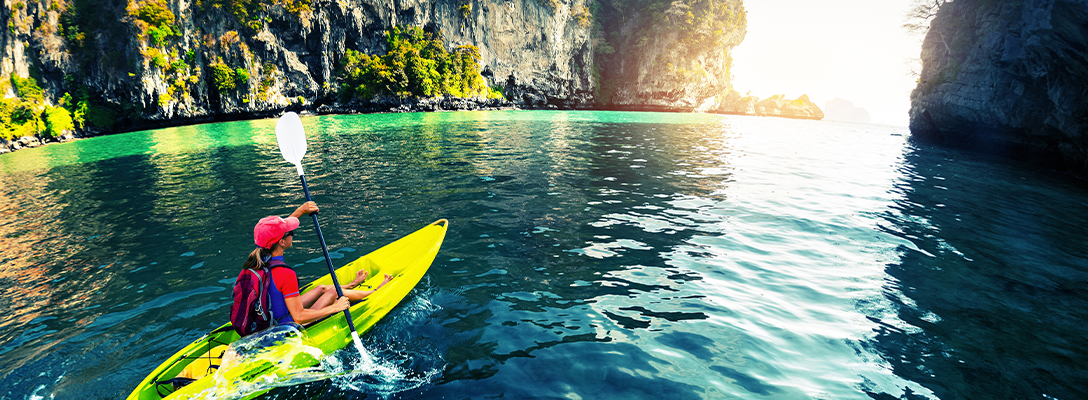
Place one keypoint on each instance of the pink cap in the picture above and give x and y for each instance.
(271, 229)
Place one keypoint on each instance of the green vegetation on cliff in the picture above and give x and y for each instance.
(253, 13)
(28, 114)
(156, 22)
(417, 65)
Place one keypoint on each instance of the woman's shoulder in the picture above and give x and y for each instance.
(283, 271)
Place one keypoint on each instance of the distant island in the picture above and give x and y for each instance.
(774, 106)
(839, 109)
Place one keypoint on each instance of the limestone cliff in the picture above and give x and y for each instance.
(667, 55)
(133, 64)
(838, 109)
(1007, 77)
(169, 62)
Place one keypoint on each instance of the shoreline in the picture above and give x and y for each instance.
(415, 105)
(438, 104)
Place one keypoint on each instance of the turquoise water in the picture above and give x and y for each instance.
(590, 255)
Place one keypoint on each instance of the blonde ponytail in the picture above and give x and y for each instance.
(257, 258)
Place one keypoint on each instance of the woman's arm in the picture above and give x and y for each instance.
(306, 208)
(303, 315)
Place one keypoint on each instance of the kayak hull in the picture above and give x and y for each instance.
(406, 259)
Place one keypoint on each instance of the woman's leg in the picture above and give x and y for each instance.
(360, 277)
(356, 295)
(316, 297)
(327, 299)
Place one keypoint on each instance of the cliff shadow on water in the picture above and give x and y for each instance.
(990, 295)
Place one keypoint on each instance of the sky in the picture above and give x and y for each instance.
(851, 49)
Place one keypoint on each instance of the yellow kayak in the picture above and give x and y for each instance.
(208, 368)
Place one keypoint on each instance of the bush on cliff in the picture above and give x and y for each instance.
(28, 114)
(253, 13)
(155, 20)
(417, 65)
(223, 76)
(57, 120)
(16, 119)
(27, 88)
(21, 116)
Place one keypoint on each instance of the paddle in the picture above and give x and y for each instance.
(292, 139)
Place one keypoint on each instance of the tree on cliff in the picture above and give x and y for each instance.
(921, 14)
(417, 65)
(28, 114)
(917, 22)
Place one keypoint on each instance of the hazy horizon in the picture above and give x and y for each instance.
(851, 49)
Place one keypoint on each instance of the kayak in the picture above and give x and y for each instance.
(200, 370)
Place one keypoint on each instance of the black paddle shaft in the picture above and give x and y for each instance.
(325, 249)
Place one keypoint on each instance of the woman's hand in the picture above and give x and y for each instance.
(306, 208)
(341, 304)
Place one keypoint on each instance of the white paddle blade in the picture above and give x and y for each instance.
(292, 139)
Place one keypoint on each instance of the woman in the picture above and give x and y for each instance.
(273, 235)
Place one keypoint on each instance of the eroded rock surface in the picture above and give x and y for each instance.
(1007, 77)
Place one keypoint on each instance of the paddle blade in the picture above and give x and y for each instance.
(292, 139)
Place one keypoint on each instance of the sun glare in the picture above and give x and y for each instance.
(850, 49)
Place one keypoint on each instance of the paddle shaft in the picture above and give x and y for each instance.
(325, 249)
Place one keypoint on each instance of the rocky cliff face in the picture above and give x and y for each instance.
(667, 55)
(133, 64)
(168, 62)
(1007, 77)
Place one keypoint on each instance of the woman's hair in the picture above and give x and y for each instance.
(257, 257)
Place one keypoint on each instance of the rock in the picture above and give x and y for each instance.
(780, 106)
(29, 142)
(844, 110)
(802, 108)
(1007, 77)
(734, 104)
(774, 106)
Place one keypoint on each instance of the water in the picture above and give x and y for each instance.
(590, 255)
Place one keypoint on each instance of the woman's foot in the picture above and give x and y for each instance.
(360, 277)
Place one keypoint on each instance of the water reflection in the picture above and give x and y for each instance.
(989, 295)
